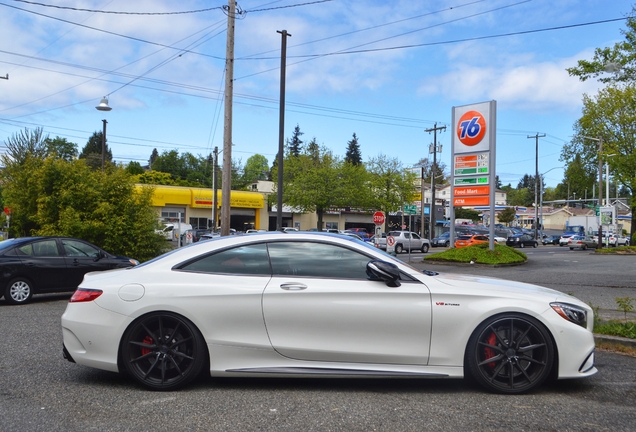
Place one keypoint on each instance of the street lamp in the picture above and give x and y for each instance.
(541, 196)
(600, 186)
(103, 106)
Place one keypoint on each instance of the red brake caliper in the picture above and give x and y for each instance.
(147, 340)
(489, 352)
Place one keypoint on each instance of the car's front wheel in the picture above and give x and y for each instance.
(18, 291)
(510, 353)
(521, 245)
(163, 351)
(535, 244)
(424, 248)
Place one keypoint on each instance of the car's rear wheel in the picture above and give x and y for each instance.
(398, 248)
(521, 245)
(19, 291)
(163, 351)
(510, 353)
(584, 247)
(424, 248)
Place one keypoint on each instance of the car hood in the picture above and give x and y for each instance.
(487, 285)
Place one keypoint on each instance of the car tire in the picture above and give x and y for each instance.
(520, 349)
(447, 244)
(521, 245)
(571, 248)
(424, 248)
(535, 245)
(173, 362)
(398, 248)
(18, 291)
(584, 247)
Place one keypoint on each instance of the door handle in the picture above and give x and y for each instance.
(292, 286)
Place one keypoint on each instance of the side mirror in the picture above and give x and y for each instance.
(384, 271)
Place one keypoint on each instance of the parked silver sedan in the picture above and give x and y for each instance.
(582, 242)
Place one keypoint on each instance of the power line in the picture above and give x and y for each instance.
(118, 12)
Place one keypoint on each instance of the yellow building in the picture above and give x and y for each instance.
(194, 206)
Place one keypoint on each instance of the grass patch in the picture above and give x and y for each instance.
(621, 250)
(480, 254)
(622, 329)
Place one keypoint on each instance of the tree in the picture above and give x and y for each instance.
(390, 185)
(439, 170)
(622, 57)
(256, 168)
(353, 155)
(134, 168)
(507, 215)
(467, 213)
(25, 144)
(295, 144)
(68, 198)
(61, 148)
(312, 181)
(185, 169)
(153, 157)
(611, 114)
(92, 151)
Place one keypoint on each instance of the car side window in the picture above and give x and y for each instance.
(79, 249)
(317, 260)
(249, 259)
(45, 248)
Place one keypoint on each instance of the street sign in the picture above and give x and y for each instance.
(410, 209)
(378, 218)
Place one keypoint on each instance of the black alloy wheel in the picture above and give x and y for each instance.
(510, 353)
(163, 351)
(18, 291)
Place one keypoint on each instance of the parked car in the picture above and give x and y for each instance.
(442, 241)
(521, 240)
(226, 306)
(35, 265)
(553, 240)
(470, 240)
(616, 240)
(582, 242)
(407, 240)
(563, 240)
(362, 232)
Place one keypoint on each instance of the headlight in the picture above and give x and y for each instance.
(571, 313)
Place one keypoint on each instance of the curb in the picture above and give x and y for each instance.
(614, 340)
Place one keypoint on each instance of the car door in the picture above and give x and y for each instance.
(44, 264)
(81, 258)
(321, 306)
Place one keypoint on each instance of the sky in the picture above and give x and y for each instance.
(384, 70)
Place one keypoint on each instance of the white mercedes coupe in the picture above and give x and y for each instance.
(302, 304)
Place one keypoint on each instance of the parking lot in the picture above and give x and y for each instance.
(39, 390)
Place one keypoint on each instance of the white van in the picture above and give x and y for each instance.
(172, 230)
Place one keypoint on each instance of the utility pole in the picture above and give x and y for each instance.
(227, 124)
(536, 185)
(215, 202)
(281, 128)
(433, 149)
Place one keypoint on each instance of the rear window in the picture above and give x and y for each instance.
(464, 237)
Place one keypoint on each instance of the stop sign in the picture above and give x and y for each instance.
(378, 218)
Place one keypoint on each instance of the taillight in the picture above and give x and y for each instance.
(85, 295)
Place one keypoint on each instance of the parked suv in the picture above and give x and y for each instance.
(407, 240)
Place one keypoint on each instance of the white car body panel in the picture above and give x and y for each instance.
(253, 326)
